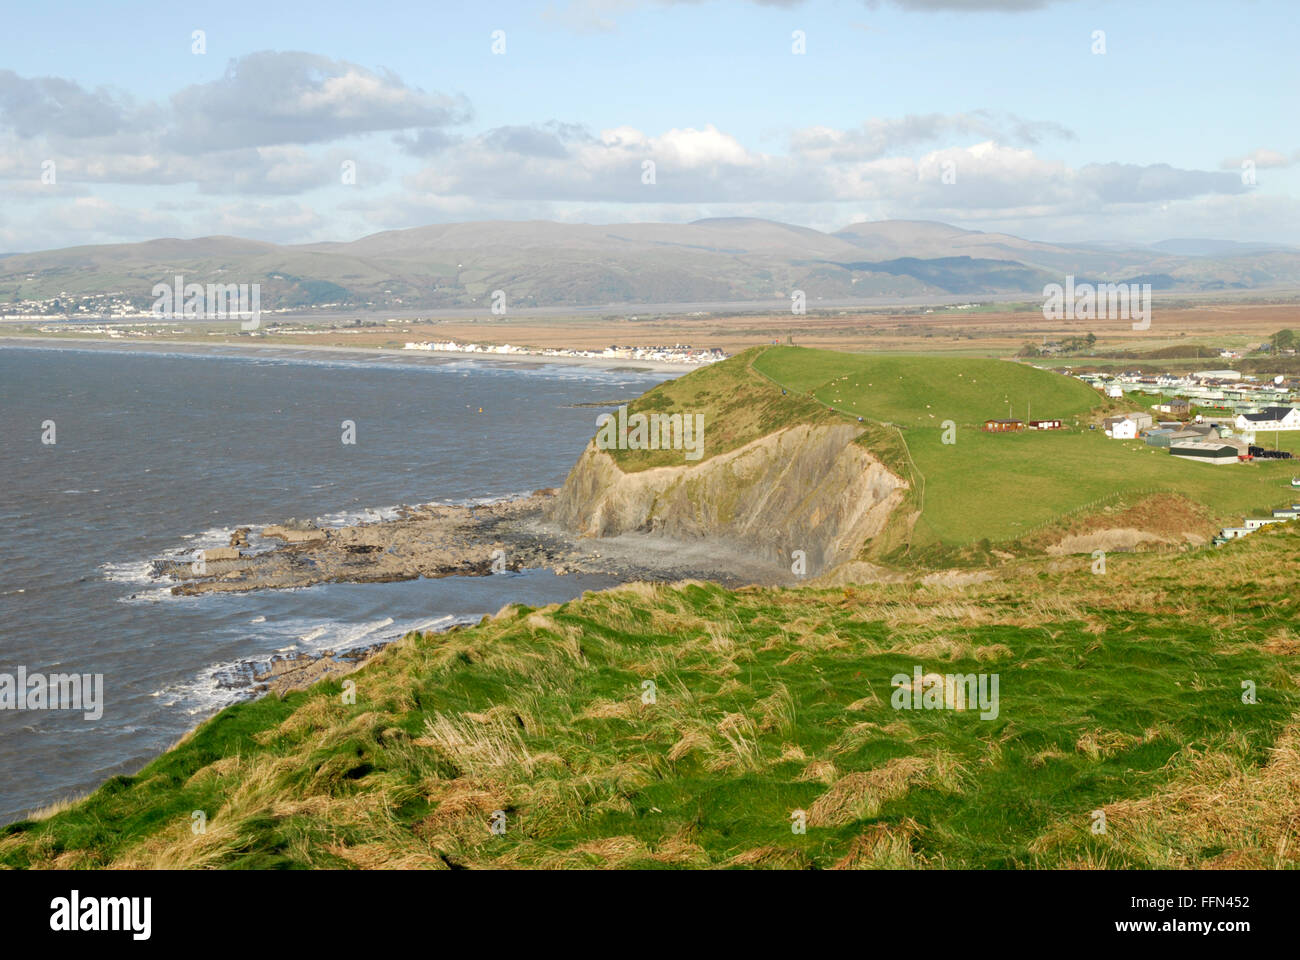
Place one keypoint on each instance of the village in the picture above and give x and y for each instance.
(1215, 417)
(677, 353)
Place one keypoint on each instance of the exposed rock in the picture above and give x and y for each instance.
(280, 531)
(1115, 539)
(218, 553)
(431, 541)
(802, 488)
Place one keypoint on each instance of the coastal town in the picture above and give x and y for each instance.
(677, 353)
(1215, 417)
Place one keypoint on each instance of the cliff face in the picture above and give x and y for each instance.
(803, 488)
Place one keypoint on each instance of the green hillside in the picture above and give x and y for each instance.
(994, 487)
(767, 702)
(999, 487)
(920, 390)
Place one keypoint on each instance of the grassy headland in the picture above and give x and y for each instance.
(1120, 692)
(994, 487)
(685, 725)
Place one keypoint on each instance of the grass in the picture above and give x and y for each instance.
(926, 390)
(767, 702)
(997, 486)
(983, 487)
(738, 407)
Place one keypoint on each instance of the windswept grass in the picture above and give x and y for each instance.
(1120, 693)
(738, 406)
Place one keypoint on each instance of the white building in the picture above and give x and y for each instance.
(1254, 523)
(1270, 418)
(1124, 429)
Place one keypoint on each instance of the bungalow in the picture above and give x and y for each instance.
(1177, 406)
(1254, 523)
(1003, 426)
(1044, 424)
(1270, 418)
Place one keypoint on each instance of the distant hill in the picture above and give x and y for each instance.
(541, 264)
(1216, 248)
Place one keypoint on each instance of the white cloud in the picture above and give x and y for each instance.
(1262, 158)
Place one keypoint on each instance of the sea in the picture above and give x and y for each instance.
(157, 454)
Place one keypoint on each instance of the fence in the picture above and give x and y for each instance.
(1094, 505)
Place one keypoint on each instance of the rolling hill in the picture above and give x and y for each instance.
(892, 465)
(545, 264)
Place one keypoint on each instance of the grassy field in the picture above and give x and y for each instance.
(767, 702)
(998, 486)
(925, 390)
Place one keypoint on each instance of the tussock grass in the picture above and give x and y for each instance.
(1119, 693)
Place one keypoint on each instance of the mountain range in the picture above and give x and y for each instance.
(548, 264)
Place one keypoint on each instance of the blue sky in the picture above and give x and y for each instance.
(1000, 117)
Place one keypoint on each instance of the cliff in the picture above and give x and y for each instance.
(803, 487)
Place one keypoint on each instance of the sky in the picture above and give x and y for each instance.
(1054, 120)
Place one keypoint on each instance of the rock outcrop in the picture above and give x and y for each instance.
(807, 488)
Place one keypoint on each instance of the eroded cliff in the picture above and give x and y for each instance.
(808, 488)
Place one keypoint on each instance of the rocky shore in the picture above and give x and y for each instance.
(426, 541)
(434, 540)
(438, 540)
(286, 673)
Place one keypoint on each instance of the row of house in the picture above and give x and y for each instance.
(1014, 426)
(1203, 442)
(1223, 389)
(1250, 524)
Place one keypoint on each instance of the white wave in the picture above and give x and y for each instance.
(348, 518)
(484, 501)
(221, 684)
(130, 571)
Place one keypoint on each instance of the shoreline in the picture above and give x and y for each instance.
(431, 541)
(435, 540)
(414, 358)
